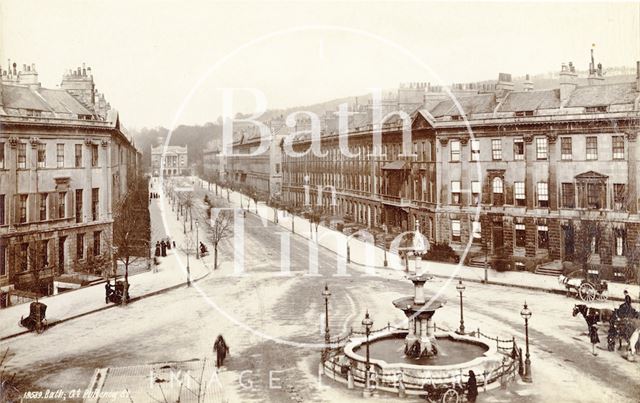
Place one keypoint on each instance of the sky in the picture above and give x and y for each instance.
(163, 63)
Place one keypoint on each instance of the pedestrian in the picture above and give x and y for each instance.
(593, 335)
(472, 387)
(168, 243)
(174, 244)
(627, 298)
(221, 349)
(163, 247)
(157, 249)
(107, 291)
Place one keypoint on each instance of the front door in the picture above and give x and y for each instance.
(569, 242)
(61, 254)
(498, 238)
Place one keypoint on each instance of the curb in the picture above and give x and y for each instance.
(525, 287)
(109, 306)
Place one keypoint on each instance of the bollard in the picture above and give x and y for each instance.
(503, 381)
(350, 382)
(485, 374)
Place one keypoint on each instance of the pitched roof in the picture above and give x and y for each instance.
(17, 97)
(530, 100)
(63, 102)
(481, 103)
(606, 94)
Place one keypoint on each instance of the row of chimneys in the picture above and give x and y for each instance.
(79, 72)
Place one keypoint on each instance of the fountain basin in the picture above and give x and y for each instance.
(452, 367)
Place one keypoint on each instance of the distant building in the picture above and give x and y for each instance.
(170, 161)
(65, 162)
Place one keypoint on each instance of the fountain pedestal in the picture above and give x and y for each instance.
(420, 340)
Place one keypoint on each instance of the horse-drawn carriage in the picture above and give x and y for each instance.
(37, 317)
(588, 288)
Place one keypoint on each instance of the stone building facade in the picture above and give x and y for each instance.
(530, 175)
(64, 164)
(169, 161)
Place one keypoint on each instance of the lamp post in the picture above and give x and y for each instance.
(460, 287)
(197, 241)
(526, 314)
(327, 340)
(367, 322)
(384, 244)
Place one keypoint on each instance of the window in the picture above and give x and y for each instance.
(95, 203)
(518, 188)
(96, 243)
(476, 231)
(618, 147)
(594, 195)
(1, 155)
(80, 246)
(43, 206)
(566, 149)
(518, 149)
(78, 155)
(94, 155)
(2, 210)
(79, 205)
(42, 155)
(3, 260)
(543, 194)
(43, 254)
(543, 237)
(619, 196)
(455, 230)
(496, 149)
(542, 148)
(475, 191)
(620, 242)
(475, 150)
(22, 155)
(455, 150)
(521, 235)
(62, 204)
(22, 208)
(497, 185)
(592, 148)
(568, 195)
(60, 155)
(277, 168)
(23, 255)
(455, 192)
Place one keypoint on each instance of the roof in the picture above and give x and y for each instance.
(530, 100)
(169, 149)
(481, 103)
(606, 94)
(63, 102)
(58, 102)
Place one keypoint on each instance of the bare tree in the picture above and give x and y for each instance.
(189, 203)
(131, 230)
(219, 228)
(587, 240)
(188, 247)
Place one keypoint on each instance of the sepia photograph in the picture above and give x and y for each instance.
(217, 201)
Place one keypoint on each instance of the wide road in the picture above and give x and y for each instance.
(273, 323)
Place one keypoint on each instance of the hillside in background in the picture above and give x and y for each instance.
(200, 137)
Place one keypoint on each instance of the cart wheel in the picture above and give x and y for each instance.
(587, 292)
(450, 396)
(604, 295)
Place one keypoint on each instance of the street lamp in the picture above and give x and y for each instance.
(197, 241)
(526, 314)
(367, 322)
(326, 294)
(384, 244)
(460, 287)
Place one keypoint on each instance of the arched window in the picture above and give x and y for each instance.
(497, 185)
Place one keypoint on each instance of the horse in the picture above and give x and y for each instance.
(593, 315)
(627, 326)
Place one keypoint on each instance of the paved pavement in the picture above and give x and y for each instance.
(372, 257)
(170, 273)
